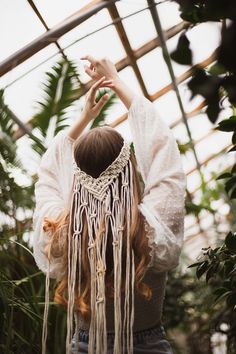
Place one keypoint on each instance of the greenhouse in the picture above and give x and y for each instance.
(118, 133)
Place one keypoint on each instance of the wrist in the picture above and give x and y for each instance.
(117, 83)
(85, 116)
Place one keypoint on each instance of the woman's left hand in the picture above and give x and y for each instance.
(92, 108)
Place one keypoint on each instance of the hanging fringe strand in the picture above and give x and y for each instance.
(102, 202)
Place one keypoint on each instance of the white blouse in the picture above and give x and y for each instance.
(163, 199)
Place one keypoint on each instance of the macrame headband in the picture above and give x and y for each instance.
(98, 186)
(98, 197)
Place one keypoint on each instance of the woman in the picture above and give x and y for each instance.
(108, 239)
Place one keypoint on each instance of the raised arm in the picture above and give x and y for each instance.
(159, 162)
(163, 202)
(55, 179)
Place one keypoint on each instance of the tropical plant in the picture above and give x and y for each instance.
(217, 84)
(219, 267)
(218, 81)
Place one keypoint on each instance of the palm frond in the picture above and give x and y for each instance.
(6, 121)
(100, 119)
(59, 87)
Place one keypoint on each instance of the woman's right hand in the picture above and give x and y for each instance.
(104, 67)
(100, 67)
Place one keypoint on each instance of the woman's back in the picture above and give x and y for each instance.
(161, 206)
(147, 313)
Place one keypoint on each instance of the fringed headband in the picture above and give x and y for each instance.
(99, 196)
(98, 186)
(94, 196)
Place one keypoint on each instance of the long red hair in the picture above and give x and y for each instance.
(94, 151)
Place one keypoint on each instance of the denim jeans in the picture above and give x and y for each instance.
(149, 341)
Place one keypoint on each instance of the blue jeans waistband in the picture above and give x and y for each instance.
(138, 337)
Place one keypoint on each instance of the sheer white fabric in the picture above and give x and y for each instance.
(159, 162)
(160, 165)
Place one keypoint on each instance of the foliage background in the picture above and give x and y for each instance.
(198, 303)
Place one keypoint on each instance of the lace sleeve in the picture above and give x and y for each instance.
(159, 161)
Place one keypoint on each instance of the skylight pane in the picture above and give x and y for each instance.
(55, 12)
(22, 95)
(134, 27)
(169, 14)
(154, 70)
(92, 45)
(18, 26)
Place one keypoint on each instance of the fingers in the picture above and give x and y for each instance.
(90, 58)
(101, 102)
(89, 71)
(91, 66)
(100, 83)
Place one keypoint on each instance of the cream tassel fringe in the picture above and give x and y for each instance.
(95, 210)
(46, 308)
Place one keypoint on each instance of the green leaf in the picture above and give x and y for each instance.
(227, 125)
(195, 264)
(208, 86)
(217, 69)
(234, 138)
(182, 54)
(61, 88)
(231, 299)
(222, 296)
(211, 272)
(220, 291)
(230, 184)
(233, 169)
(224, 175)
(191, 15)
(201, 269)
(233, 194)
(100, 119)
(230, 242)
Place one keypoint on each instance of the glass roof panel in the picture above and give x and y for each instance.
(86, 28)
(168, 107)
(18, 26)
(154, 70)
(212, 144)
(22, 94)
(128, 7)
(29, 65)
(134, 27)
(173, 18)
(92, 45)
(53, 13)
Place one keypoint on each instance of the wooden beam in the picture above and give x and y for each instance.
(41, 19)
(209, 180)
(123, 63)
(52, 35)
(168, 88)
(190, 114)
(186, 75)
(141, 51)
(126, 44)
(205, 162)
